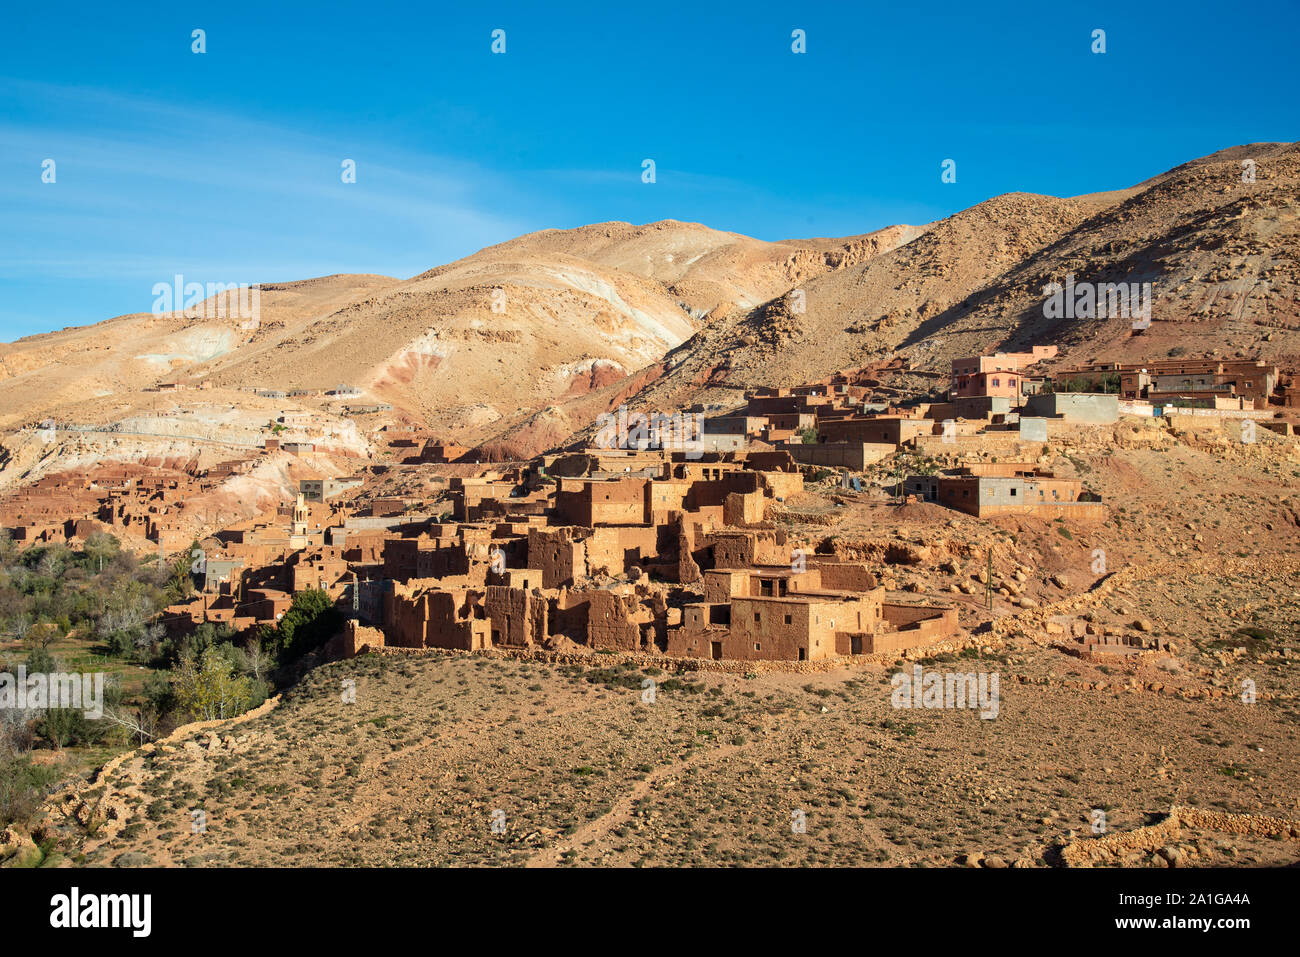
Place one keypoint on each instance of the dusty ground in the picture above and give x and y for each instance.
(711, 773)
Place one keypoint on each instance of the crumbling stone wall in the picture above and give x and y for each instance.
(1110, 849)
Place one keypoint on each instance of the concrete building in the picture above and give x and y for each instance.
(322, 490)
(1007, 488)
(1090, 407)
(997, 375)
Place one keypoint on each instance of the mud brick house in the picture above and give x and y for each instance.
(389, 507)
(405, 559)
(615, 550)
(589, 502)
(438, 452)
(779, 613)
(840, 455)
(595, 462)
(324, 569)
(515, 508)
(614, 619)
(36, 533)
(735, 548)
(711, 466)
(769, 402)
(266, 604)
(469, 495)
(518, 610)
(893, 431)
(560, 554)
(782, 427)
(441, 614)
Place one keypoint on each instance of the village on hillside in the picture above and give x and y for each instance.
(668, 533)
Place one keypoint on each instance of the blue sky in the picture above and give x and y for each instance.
(225, 166)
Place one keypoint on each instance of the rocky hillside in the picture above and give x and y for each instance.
(1220, 255)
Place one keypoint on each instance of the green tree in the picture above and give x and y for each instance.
(207, 687)
(100, 548)
(311, 621)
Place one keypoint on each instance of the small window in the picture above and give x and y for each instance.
(756, 618)
(789, 619)
(757, 646)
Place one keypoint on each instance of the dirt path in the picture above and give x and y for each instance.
(600, 828)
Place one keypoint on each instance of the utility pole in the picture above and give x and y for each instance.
(988, 585)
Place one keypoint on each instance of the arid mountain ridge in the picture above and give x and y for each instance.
(522, 344)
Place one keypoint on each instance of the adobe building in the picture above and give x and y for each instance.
(436, 614)
(891, 430)
(840, 455)
(1182, 378)
(438, 452)
(826, 610)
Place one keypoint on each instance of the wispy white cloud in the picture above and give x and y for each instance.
(145, 188)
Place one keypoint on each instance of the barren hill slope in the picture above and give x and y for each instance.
(1222, 257)
(1220, 253)
(82, 372)
(467, 349)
